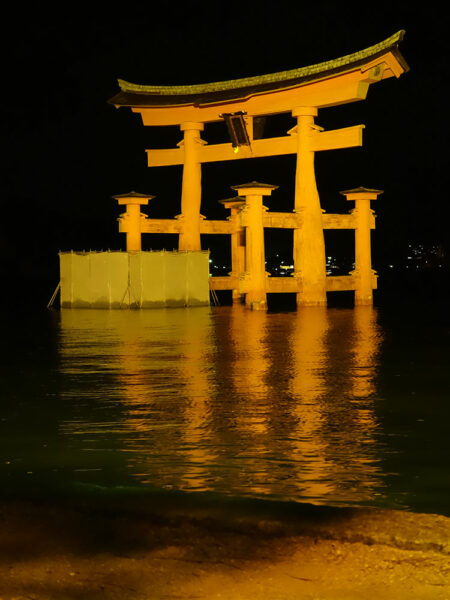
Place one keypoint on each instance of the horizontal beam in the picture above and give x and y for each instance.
(343, 283)
(336, 221)
(282, 220)
(223, 283)
(330, 221)
(161, 226)
(165, 158)
(219, 152)
(340, 283)
(220, 227)
(272, 219)
(348, 137)
(283, 285)
(288, 285)
(259, 148)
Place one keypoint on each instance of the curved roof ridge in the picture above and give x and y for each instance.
(218, 86)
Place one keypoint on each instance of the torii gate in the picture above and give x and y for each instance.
(299, 91)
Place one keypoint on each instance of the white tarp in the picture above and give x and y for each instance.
(134, 280)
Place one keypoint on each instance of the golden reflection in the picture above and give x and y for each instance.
(159, 366)
(251, 365)
(232, 400)
(365, 350)
(249, 371)
(307, 386)
(194, 371)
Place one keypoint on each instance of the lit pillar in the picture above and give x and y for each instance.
(237, 243)
(191, 192)
(364, 222)
(309, 245)
(130, 222)
(255, 264)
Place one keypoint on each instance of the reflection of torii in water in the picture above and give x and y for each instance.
(198, 416)
(300, 92)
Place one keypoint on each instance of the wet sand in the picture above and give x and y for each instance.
(172, 548)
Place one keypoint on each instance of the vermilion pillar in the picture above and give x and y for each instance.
(191, 192)
(309, 245)
(237, 243)
(364, 218)
(255, 264)
(130, 221)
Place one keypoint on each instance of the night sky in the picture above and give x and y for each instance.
(68, 151)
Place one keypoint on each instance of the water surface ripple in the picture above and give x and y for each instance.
(304, 405)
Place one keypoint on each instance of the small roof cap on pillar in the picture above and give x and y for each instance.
(232, 202)
(265, 189)
(133, 198)
(361, 192)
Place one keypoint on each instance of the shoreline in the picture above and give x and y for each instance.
(189, 546)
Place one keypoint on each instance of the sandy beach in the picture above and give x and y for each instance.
(150, 549)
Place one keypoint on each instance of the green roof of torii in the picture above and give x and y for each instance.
(175, 95)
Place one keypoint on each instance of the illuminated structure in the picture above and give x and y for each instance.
(300, 92)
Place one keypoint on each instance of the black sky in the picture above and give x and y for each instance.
(68, 151)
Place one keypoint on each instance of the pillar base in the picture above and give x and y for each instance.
(256, 301)
(311, 300)
(363, 299)
(257, 305)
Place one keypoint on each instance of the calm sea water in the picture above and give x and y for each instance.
(330, 406)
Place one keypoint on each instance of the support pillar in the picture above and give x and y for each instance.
(130, 222)
(237, 244)
(363, 214)
(238, 240)
(255, 264)
(309, 244)
(191, 192)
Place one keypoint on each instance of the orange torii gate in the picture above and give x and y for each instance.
(301, 92)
